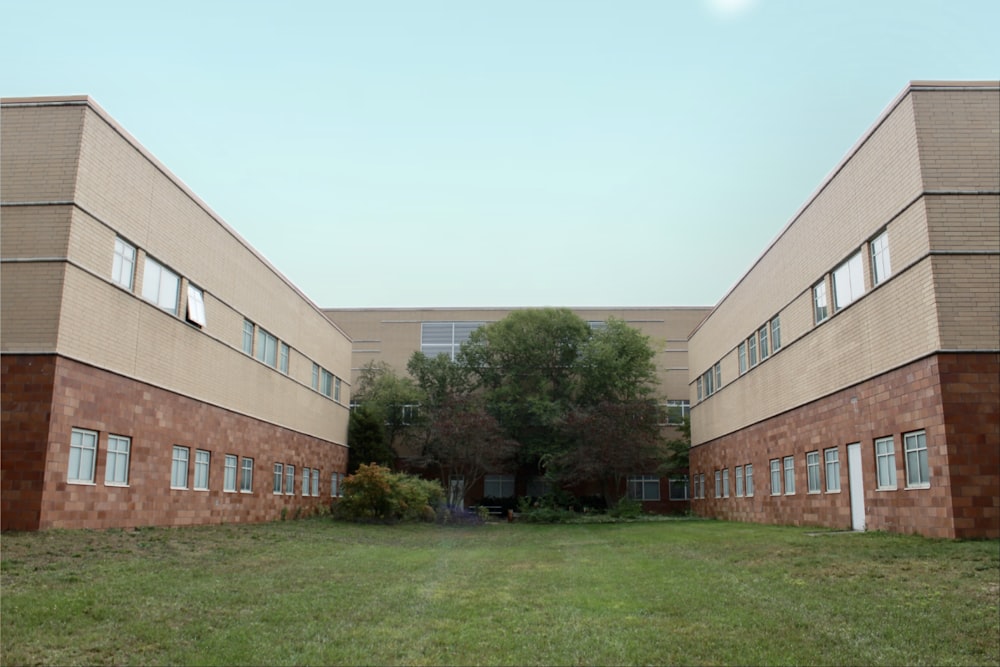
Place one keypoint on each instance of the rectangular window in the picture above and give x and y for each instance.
(821, 309)
(336, 388)
(739, 481)
(229, 474)
(179, 469)
(699, 388)
(885, 462)
(832, 460)
(116, 471)
(696, 480)
(789, 475)
(498, 486)
(775, 334)
(279, 477)
(283, 358)
(315, 377)
(677, 487)
(248, 336)
(725, 483)
(702, 476)
(848, 282)
(445, 337)
(752, 350)
(202, 463)
(644, 487)
(918, 473)
(289, 480)
(246, 478)
(718, 376)
(315, 484)
(326, 384)
(267, 348)
(881, 268)
(677, 411)
(743, 357)
(775, 477)
(709, 382)
(123, 267)
(765, 350)
(196, 305)
(160, 285)
(748, 471)
(335, 479)
(718, 483)
(82, 456)
(812, 472)
(306, 477)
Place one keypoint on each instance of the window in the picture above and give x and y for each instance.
(248, 336)
(498, 486)
(336, 388)
(289, 480)
(335, 482)
(279, 477)
(123, 267)
(820, 309)
(812, 472)
(881, 269)
(202, 460)
(739, 481)
(832, 460)
(315, 377)
(315, 483)
(696, 484)
(677, 487)
(326, 383)
(699, 388)
(848, 282)
(725, 483)
(246, 478)
(789, 475)
(677, 411)
(644, 487)
(885, 463)
(445, 337)
(267, 348)
(160, 285)
(306, 477)
(179, 469)
(718, 376)
(283, 358)
(702, 478)
(775, 334)
(229, 474)
(718, 483)
(764, 349)
(752, 350)
(82, 456)
(116, 471)
(775, 477)
(748, 471)
(196, 305)
(538, 486)
(917, 471)
(743, 357)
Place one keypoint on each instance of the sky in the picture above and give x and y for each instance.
(392, 153)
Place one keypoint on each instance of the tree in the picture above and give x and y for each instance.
(391, 399)
(366, 437)
(616, 364)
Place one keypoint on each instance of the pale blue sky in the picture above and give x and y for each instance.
(517, 153)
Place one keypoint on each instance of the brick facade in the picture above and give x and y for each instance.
(46, 396)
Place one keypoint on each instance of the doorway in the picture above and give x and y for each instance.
(857, 488)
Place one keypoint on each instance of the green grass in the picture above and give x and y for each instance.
(666, 592)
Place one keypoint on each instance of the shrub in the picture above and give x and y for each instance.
(376, 493)
(626, 508)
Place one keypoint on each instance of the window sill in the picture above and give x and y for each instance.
(80, 482)
(828, 491)
(887, 488)
(202, 490)
(917, 487)
(116, 486)
(178, 488)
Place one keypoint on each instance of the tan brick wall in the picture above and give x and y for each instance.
(44, 167)
(30, 295)
(959, 136)
(968, 300)
(964, 223)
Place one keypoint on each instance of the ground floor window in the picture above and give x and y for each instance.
(775, 477)
(246, 478)
(179, 469)
(917, 470)
(644, 487)
(229, 474)
(812, 472)
(202, 462)
(335, 483)
(306, 477)
(498, 486)
(116, 470)
(289, 480)
(678, 488)
(82, 456)
(832, 459)
(885, 462)
(279, 477)
(748, 471)
(789, 475)
(315, 482)
(739, 481)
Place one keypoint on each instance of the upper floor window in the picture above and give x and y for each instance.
(445, 337)
(248, 336)
(820, 307)
(123, 269)
(315, 377)
(775, 334)
(336, 388)
(160, 285)
(196, 305)
(752, 350)
(283, 358)
(881, 269)
(743, 357)
(326, 384)
(848, 282)
(267, 348)
(764, 348)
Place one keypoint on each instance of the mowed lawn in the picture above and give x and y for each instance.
(660, 592)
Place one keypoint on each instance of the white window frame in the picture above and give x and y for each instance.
(752, 350)
(748, 473)
(440, 337)
(725, 482)
(502, 484)
(289, 480)
(702, 485)
(918, 472)
(831, 460)
(848, 282)
(160, 286)
(739, 481)
(336, 481)
(283, 354)
(306, 479)
(718, 484)
(246, 475)
(812, 472)
(879, 250)
(229, 474)
(278, 485)
(179, 463)
(775, 333)
(267, 348)
(763, 347)
(116, 465)
(336, 388)
(775, 477)
(315, 482)
(202, 468)
(326, 383)
(315, 376)
(885, 463)
(195, 305)
(789, 466)
(643, 487)
(123, 266)
(821, 304)
(248, 328)
(82, 456)
(742, 356)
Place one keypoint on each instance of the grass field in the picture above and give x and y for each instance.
(665, 592)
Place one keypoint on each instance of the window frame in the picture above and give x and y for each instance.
(788, 464)
(763, 348)
(739, 481)
(881, 264)
(306, 480)
(246, 475)
(179, 467)
(752, 350)
(83, 452)
(741, 354)
(116, 456)
(775, 465)
(885, 460)
(230, 473)
(748, 474)
(918, 455)
(248, 329)
(718, 484)
(503, 482)
(336, 479)
(284, 352)
(643, 483)
(813, 481)
(120, 261)
(848, 276)
(202, 469)
(196, 305)
(315, 482)
(725, 482)
(681, 482)
(831, 465)
(289, 479)
(154, 271)
(278, 478)
(266, 351)
(821, 302)
(775, 334)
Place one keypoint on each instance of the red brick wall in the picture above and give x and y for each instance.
(155, 420)
(952, 397)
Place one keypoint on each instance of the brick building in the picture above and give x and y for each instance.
(155, 368)
(851, 378)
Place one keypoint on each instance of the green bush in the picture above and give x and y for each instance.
(626, 508)
(375, 493)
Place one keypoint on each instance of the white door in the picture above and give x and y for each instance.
(456, 491)
(857, 486)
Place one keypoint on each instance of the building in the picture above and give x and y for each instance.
(851, 378)
(392, 335)
(156, 369)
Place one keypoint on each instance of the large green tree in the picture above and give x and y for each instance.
(392, 400)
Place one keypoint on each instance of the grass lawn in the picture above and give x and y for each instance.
(665, 592)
